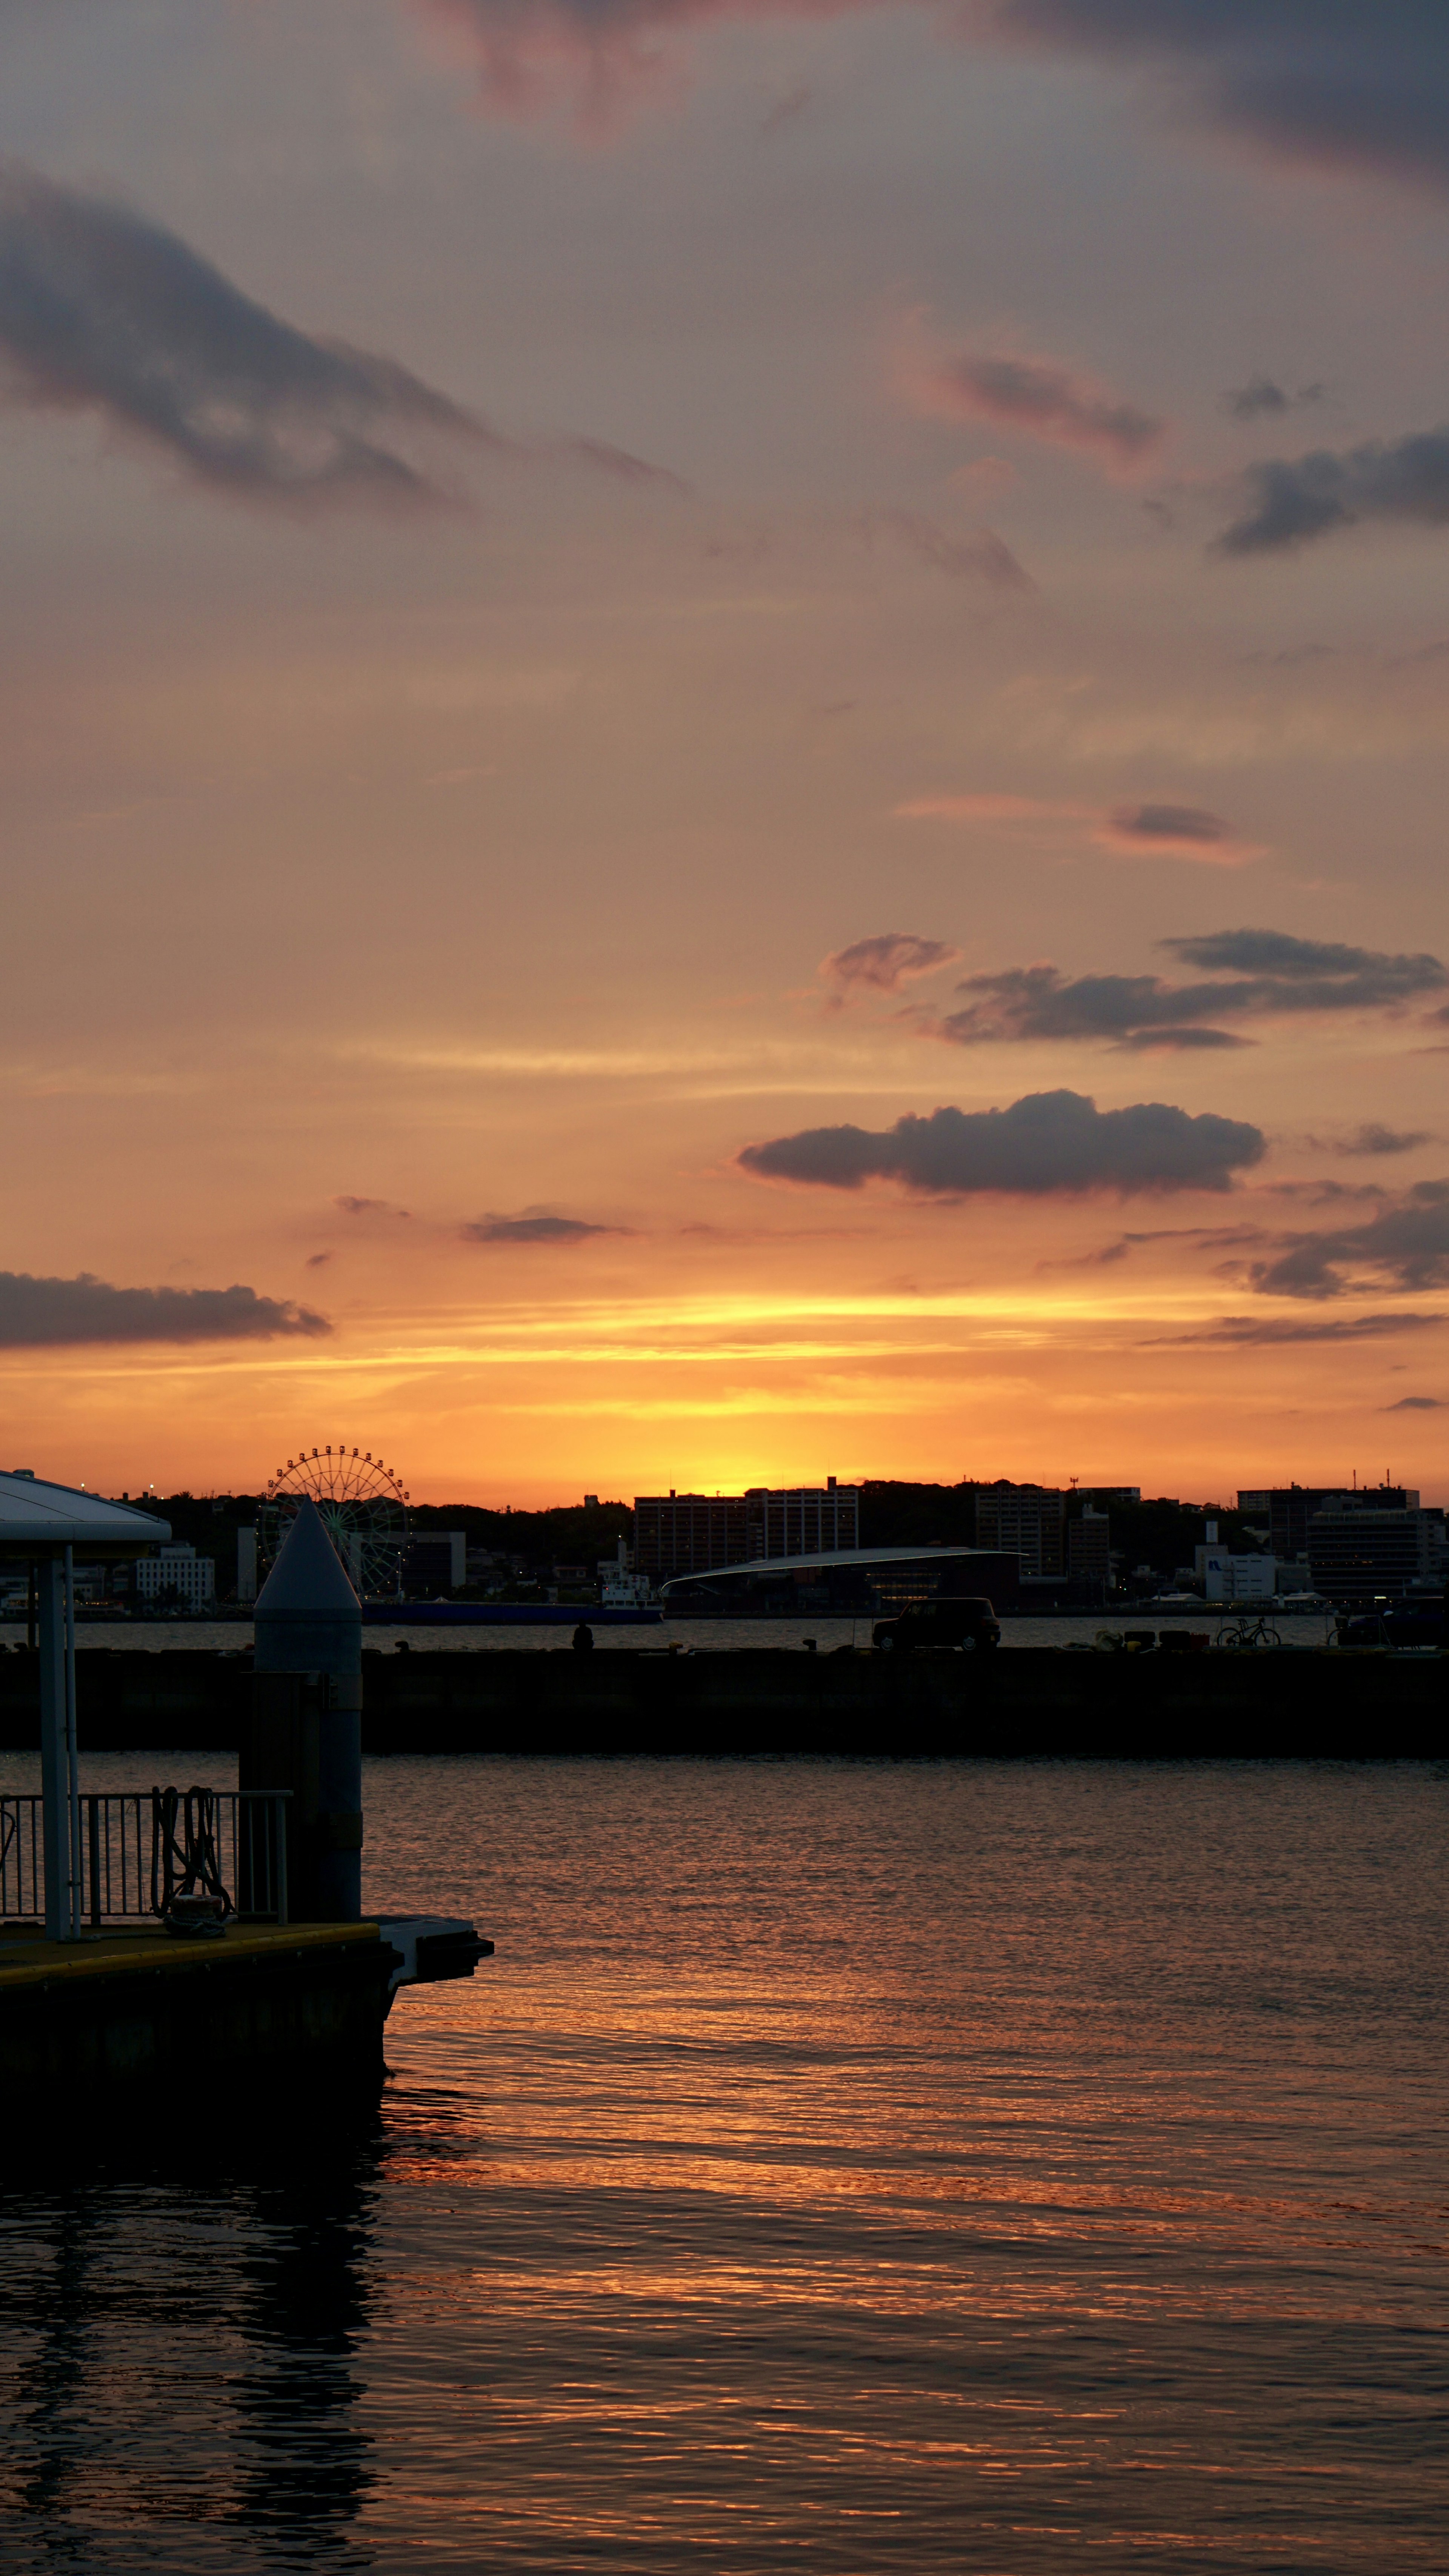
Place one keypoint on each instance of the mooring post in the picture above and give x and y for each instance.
(54, 1749)
(309, 1629)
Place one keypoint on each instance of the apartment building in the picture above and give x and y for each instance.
(692, 1533)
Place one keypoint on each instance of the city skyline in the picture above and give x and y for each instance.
(726, 739)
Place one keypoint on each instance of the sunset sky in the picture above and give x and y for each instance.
(725, 741)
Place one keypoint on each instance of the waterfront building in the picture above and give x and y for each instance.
(691, 1533)
(1225, 1577)
(1286, 1510)
(1089, 1552)
(1028, 1522)
(176, 1572)
(435, 1561)
(1373, 1544)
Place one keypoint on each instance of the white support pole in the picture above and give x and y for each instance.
(54, 1767)
(72, 1759)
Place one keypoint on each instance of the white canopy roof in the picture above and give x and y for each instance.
(863, 1557)
(36, 1518)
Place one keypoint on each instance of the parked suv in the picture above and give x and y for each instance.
(969, 1625)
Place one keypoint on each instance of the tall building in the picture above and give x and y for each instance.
(1287, 1510)
(1028, 1522)
(691, 1533)
(1371, 1545)
(803, 1520)
(1089, 1549)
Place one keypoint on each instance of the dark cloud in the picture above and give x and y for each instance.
(1051, 1142)
(980, 556)
(1245, 1332)
(532, 1229)
(351, 1206)
(1372, 1138)
(102, 311)
(38, 1313)
(1261, 398)
(1360, 83)
(1192, 823)
(1416, 1404)
(1292, 500)
(318, 1260)
(1267, 973)
(1369, 976)
(1046, 401)
(1356, 83)
(1252, 400)
(1404, 1245)
(885, 962)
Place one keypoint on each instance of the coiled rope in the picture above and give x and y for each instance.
(184, 1860)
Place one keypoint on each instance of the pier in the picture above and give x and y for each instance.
(165, 1949)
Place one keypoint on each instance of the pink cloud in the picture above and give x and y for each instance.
(884, 963)
(1150, 830)
(992, 809)
(594, 57)
(1041, 399)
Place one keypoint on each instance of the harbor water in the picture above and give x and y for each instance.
(842, 2167)
(714, 1636)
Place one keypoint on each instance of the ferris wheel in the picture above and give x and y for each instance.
(364, 1510)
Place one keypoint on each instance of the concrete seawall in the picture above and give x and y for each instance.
(1028, 1701)
(145, 2022)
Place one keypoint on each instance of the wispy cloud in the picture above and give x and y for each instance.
(558, 1230)
(1039, 398)
(356, 1207)
(1277, 976)
(1405, 1244)
(884, 963)
(1261, 399)
(1152, 829)
(1177, 832)
(978, 556)
(103, 311)
(1050, 1143)
(1374, 1138)
(44, 1313)
(1270, 1332)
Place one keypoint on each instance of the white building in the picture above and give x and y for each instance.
(179, 1573)
(1235, 1578)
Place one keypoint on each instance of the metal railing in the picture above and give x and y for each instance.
(128, 1861)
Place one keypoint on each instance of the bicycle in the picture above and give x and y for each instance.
(1250, 1632)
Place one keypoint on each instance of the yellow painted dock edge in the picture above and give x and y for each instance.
(63, 1962)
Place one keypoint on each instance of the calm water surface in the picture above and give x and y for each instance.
(234, 1636)
(843, 2167)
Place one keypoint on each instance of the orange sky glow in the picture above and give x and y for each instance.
(599, 895)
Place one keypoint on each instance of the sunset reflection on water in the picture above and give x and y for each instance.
(856, 2166)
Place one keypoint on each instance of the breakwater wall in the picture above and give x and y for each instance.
(1025, 1701)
